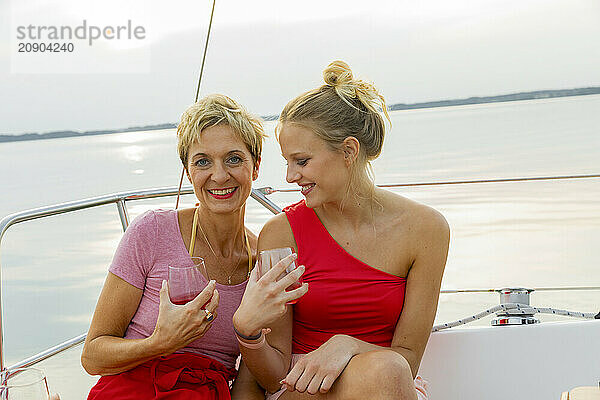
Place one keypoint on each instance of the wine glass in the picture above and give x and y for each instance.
(268, 258)
(24, 384)
(186, 282)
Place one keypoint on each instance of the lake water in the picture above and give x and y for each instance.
(531, 234)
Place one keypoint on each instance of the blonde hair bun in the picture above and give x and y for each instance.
(337, 73)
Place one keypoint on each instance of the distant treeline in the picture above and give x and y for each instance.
(64, 134)
(540, 94)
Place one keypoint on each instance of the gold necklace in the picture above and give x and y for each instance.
(235, 265)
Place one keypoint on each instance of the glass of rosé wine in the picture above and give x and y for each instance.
(186, 282)
(268, 258)
(24, 384)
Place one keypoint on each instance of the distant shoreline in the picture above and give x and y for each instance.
(539, 94)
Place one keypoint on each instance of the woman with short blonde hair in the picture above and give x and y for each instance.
(142, 344)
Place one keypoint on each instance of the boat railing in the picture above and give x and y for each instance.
(258, 194)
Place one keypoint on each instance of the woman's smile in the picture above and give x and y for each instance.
(222, 193)
(306, 189)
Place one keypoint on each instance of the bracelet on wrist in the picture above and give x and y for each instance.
(246, 337)
(252, 345)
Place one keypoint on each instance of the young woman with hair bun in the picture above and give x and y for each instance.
(371, 260)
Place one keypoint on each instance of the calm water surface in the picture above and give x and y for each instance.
(510, 234)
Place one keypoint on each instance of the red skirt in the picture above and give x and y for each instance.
(176, 376)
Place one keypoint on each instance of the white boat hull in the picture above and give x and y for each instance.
(512, 362)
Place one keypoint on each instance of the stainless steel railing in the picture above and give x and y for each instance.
(120, 199)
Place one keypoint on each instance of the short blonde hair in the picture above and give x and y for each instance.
(216, 109)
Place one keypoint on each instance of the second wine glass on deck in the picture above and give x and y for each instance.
(186, 282)
(268, 258)
(23, 384)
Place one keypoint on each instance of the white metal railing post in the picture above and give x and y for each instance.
(259, 196)
(122, 207)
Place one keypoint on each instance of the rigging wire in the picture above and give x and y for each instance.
(515, 308)
(212, 13)
(540, 289)
(270, 190)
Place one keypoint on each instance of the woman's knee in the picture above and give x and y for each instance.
(386, 365)
(386, 375)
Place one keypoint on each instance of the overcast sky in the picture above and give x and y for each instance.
(263, 53)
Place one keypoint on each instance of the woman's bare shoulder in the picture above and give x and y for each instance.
(420, 217)
(276, 232)
(425, 232)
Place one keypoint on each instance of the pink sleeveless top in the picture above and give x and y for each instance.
(345, 295)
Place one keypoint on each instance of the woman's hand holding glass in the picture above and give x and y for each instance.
(265, 299)
(179, 325)
(268, 258)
